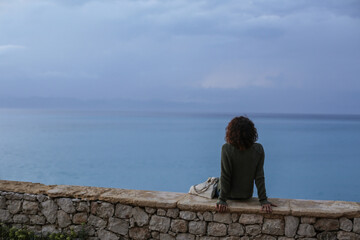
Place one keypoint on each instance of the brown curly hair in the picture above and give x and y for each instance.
(241, 133)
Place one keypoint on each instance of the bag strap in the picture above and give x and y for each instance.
(206, 187)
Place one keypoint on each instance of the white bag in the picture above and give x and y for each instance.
(206, 189)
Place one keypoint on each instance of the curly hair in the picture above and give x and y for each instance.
(241, 133)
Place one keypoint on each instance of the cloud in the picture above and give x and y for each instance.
(10, 47)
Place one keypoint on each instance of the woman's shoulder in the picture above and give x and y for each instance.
(258, 148)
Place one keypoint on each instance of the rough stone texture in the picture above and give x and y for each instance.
(20, 218)
(306, 230)
(273, 227)
(164, 236)
(2, 202)
(37, 220)
(222, 218)
(123, 211)
(178, 225)
(14, 206)
(265, 237)
(161, 212)
(327, 224)
(230, 238)
(105, 210)
(106, 235)
(234, 217)
(209, 238)
(80, 218)
(236, 229)
(250, 219)
(308, 220)
(289, 238)
(185, 236)
(253, 230)
(138, 233)
(29, 207)
(82, 207)
(327, 236)
(49, 209)
(119, 226)
(356, 226)
(161, 224)
(63, 219)
(198, 228)
(216, 229)
(150, 210)
(345, 224)
(208, 216)
(96, 221)
(291, 225)
(341, 235)
(173, 212)
(41, 197)
(140, 216)
(5, 216)
(187, 215)
(66, 204)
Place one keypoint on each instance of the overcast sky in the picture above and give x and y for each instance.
(255, 56)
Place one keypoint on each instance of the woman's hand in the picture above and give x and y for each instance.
(221, 206)
(268, 207)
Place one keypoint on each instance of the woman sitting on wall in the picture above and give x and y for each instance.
(242, 162)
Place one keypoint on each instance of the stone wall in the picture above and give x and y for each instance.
(108, 213)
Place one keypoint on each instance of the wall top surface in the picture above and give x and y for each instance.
(184, 201)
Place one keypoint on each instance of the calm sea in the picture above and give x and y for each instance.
(307, 157)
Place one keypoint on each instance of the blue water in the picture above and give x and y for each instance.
(307, 157)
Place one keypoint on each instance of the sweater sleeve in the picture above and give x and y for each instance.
(260, 179)
(225, 178)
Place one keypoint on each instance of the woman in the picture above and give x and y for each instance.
(242, 162)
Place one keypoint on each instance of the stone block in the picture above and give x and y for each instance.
(291, 225)
(197, 227)
(222, 218)
(178, 225)
(37, 220)
(20, 218)
(251, 219)
(47, 229)
(150, 210)
(123, 211)
(209, 238)
(236, 229)
(173, 212)
(345, 224)
(41, 197)
(234, 217)
(230, 238)
(105, 210)
(161, 212)
(119, 226)
(14, 206)
(64, 219)
(185, 236)
(66, 204)
(341, 235)
(83, 207)
(139, 233)
(49, 209)
(327, 236)
(2, 202)
(273, 227)
(265, 237)
(29, 207)
(29, 197)
(308, 220)
(160, 224)
(306, 230)
(106, 235)
(80, 218)
(187, 215)
(208, 216)
(140, 216)
(155, 235)
(200, 216)
(5, 216)
(216, 229)
(96, 221)
(327, 224)
(253, 230)
(356, 226)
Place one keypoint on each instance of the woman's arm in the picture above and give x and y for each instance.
(225, 181)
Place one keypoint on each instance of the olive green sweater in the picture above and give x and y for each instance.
(239, 169)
